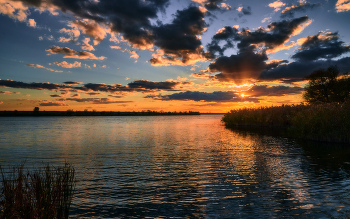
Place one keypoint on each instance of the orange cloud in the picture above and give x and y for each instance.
(70, 53)
(31, 23)
(65, 64)
(87, 46)
(91, 28)
(40, 66)
(342, 5)
(277, 5)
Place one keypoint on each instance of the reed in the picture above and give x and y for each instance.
(324, 122)
(44, 193)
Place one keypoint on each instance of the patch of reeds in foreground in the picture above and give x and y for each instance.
(324, 122)
(44, 193)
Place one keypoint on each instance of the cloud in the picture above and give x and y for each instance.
(76, 95)
(178, 41)
(266, 90)
(14, 9)
(95, 100)
(40, 66)
(31, 23)
(133, 54)
(87, 46)
(297, 71)
(290, 10)
(244, 11)
(56, 95)
(72, 82)
(322, 45)
(216, 96)
(342, 5)
(90, 28)
(143, 86)
(271, 39)
(115, 96)
(245, 65)
(9, 92)
(212, 5)
(70, 53)
(71, 32)
(150, 85)
(277, 5)
(251, 59)
(53, 104)
(93, 94)
(65, 64)
(35, 86)
(115, 47)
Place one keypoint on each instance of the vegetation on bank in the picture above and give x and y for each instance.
(325, 116)
(324, 122)
(44, 193)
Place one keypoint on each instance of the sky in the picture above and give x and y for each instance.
(170, 55)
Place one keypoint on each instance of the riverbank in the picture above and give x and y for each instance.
(93, 113)
(322, 122)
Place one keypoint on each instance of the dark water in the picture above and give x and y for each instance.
(183, 167)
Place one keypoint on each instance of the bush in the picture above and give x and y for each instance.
(44, 193)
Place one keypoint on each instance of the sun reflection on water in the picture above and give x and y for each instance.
(184, 167)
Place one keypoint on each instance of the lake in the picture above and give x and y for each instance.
(182, 167)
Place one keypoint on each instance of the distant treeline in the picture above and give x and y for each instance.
(93, 113)
(324, 122)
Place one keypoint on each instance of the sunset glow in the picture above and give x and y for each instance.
(186, 55)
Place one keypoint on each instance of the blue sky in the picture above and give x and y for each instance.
(202, 55)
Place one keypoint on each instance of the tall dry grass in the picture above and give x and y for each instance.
(45, 193)
(324, 122)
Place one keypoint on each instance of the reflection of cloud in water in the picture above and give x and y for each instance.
(184, 166)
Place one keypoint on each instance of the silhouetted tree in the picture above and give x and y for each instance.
(36, 109)
(326, 86)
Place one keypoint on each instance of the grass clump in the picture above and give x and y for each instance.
(45, 193)
(324, 122)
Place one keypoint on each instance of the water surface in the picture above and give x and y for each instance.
(183, 167)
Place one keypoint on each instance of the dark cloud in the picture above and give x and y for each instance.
(36, 3)
(276, 34)
(216, 96)
(178, 40)
(56, 95)
(72, 82)
(290, 11)
(245, 65)
(36, 86)
(95, 100)
(265, 90)
(151, 85)
(297, 71)
(70, 53)
(245, 11)
(93, 93)
(53, 104)
(251, 59)
(128, 17)
(115, 96)
(321, 45)
(92, 88)
(213, 4)
(228, 34)
(8, 92)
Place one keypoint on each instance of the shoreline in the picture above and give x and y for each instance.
(322, 122)
(91, 113)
